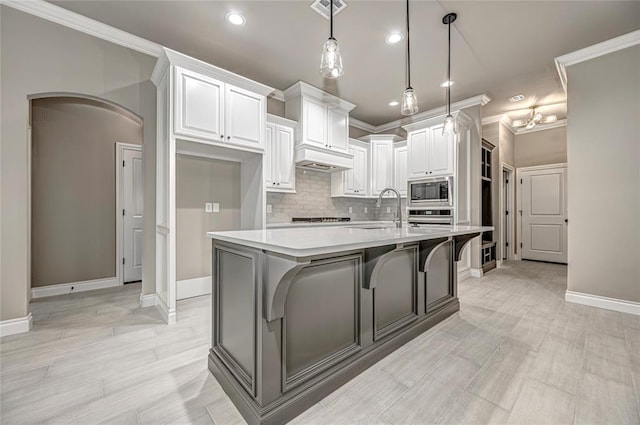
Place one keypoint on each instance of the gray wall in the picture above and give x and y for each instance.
(541, 147)
(38, 57)
(603, 140)
(200, 180)
(73, 215)
(313, 199)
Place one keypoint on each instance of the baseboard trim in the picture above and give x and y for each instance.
(615, 304)
(195, 287)
(69, 288)
(168, 316)
(476, 272)
(16, 326)
(464, 274)
(148, 300)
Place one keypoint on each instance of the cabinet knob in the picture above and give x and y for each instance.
(278, 184)
(273, 183)
(222, 136)
(228, 137)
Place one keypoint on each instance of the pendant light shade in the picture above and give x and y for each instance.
(331, 61)
(409, 99)
(449, 127)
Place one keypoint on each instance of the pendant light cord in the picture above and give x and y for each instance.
(408, 51)
(449, 72)
(331, 18)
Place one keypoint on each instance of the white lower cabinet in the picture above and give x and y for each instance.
(280, 172)
(354, 181)
(400, 168)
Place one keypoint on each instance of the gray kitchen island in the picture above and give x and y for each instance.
(296, 313)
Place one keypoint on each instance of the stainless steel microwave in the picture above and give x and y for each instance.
(432, 192)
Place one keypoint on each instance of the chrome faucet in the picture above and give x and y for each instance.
(398, 219)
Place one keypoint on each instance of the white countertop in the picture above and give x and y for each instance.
(290, 225)
(307, 241)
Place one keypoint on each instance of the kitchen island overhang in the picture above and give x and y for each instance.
(296, 313)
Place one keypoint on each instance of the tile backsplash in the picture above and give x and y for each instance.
(313, 199)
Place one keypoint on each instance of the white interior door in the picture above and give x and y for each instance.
(544, 214)
(132, 202)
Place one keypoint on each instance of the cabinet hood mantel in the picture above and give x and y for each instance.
(319, 159)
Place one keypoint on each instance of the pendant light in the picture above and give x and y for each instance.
(331, 61)
(409, 99)
(449, 122)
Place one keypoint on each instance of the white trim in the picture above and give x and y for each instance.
(476, 272)
(277, 94)
(275, 119)
(615, 304)
(69, 288)
(84, 24)
(492, 119)
(464, 274)
(168, 317)
(195, 287)
(120, 147)
(148, 300)
(512, 208)
(541, 127)
(499, 263)
(362, 125)
(16, 326)
(591, 52)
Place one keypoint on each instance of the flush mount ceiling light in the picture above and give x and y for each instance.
(516, 98)
(331, 61)
(447, 83)
(235, 18)
(409, 99)
(394, 37)
(535, 119)
(449, 122)
(394, 103)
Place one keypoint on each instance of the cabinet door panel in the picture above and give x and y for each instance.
(338, 129)
(400, 170)
(381, 165)
(199, 105)
(284, 163)
(418, 145)
(360, 167)
(350, 174)
(441, 152)
(315, 122)
(245, 117)
(270, 156)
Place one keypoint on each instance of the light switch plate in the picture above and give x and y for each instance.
(366, 210)
(269, 209)
(208, 207)
(350, 210)
(388, 209)
(216, 207)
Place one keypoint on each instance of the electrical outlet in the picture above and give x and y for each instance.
(216, 207)
(350, 210)
(388, 209)
(269, 208)
(366, 210)
(208, 207)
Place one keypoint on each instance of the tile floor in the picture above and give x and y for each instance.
(516, 353)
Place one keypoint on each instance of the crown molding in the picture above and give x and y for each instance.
(81, 23)
(304, 89)
(591, 52)
(541, 127)
(277, 94)
(276, 119)
(362, 125)
(479, 100)
(491, 120)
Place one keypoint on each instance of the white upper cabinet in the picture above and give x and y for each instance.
(400, 168)
(353, 182)
(279, 169)
(322, 133)
(199, 105)
(211, 110)
(244, 123)
(381, 166)
(429, 152)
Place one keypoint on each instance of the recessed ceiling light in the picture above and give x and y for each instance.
(394, 103)
(235, 18)
(394, 37)
(516, 98)
(447, 83)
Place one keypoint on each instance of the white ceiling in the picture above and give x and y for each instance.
(500, 48)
